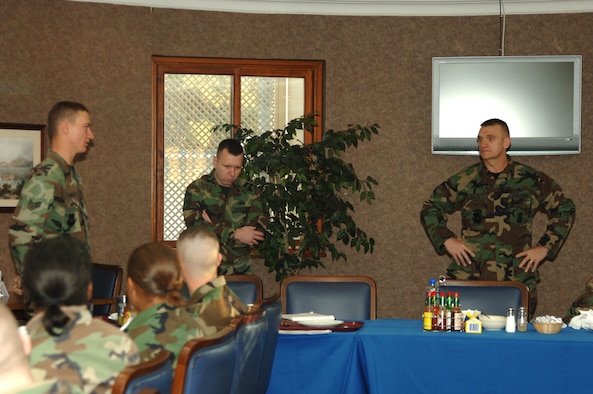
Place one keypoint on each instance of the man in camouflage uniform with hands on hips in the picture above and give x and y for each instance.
(498, 199)
(230, 206)
(51, 202)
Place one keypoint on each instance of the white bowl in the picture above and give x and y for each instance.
(493, 322)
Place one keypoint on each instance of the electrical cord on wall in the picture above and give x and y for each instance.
(503, 16)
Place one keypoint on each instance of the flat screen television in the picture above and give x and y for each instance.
(538, 96)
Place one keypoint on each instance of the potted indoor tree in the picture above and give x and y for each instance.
(303, 186)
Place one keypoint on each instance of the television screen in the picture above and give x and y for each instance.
(538, 96)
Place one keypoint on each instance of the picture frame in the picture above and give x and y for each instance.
(22, 146)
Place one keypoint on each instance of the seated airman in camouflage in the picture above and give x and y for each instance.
(211, 299)
(15, 373)
(66, 341)
(154, 284)
(583, 302)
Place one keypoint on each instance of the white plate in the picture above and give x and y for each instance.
(321, 323)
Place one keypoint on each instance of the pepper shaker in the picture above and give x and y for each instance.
(522, 320)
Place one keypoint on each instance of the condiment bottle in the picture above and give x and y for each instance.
(522, 320)
(457, 324)
(121, 307)
(442, 312)
(428, 311)
(511, 324)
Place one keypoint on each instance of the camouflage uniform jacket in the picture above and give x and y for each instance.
(164, 326)
(240, 205)
(51, 205)
(496, 215)
(215, 303)
(584, 301)
(89, 353)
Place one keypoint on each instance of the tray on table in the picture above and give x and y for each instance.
(288, 325)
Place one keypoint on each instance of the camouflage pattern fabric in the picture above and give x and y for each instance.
(89, 353)
(496, 213)
(215, 303)
(51, 205)
(584, 301)
(238, 206)
(164, 326)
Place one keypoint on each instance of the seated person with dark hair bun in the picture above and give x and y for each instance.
(154, 289)
(67, 343)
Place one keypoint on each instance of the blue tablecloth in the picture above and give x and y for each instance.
(321, 363)
(396, 356)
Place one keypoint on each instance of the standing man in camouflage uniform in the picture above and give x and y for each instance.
(51, 202)
(498, 199)
(211, 298)
(229, 206)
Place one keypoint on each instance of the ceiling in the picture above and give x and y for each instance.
(370, 7)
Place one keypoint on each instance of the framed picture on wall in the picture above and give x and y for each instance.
(21, 147)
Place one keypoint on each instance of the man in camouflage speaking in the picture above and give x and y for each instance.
(51, 202)
(498, 199)
(230, 206)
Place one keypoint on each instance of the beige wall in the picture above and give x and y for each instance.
(378, 70)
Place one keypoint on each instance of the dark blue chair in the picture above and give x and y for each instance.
(107, 282)
(272, 310)
(155, 375)
(206, 365)
(249, 288)
(250, 332)
(491, 297)
(345, 297)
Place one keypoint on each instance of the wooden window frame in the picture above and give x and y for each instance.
(311, 70)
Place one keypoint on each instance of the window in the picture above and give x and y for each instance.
(192, 95)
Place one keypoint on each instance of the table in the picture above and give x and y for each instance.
(396, 356)
(321, 363)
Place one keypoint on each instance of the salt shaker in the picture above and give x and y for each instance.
(511, 324)
(522, 320)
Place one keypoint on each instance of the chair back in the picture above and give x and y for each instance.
(491, 297)
(272, 309)
(249, 334)
(249, 288)
(206, 365)
(345, 297)
(154, 375)
(107, 282)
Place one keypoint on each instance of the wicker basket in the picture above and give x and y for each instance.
(547, 328)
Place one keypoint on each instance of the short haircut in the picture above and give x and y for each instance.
(497, 122)
(57, 272)
(198, 248)
(232, 145)
(61, 111)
